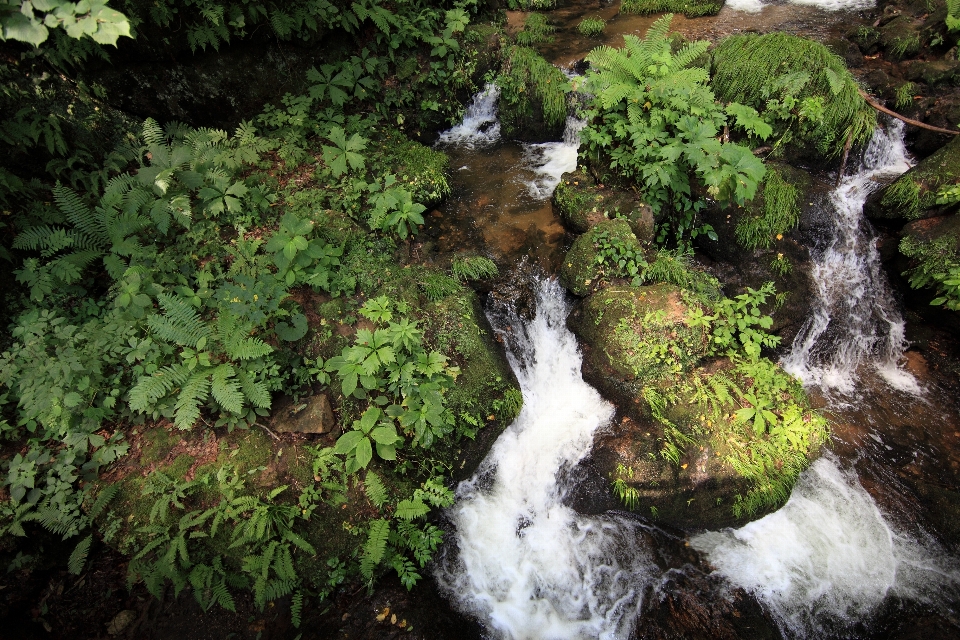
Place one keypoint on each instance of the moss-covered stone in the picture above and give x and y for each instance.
(639, 333)
(533, 97)
(580, 272)
(913, 195)
(900, 38)
(581, 203)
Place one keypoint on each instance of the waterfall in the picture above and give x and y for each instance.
(828, 558)
(755, 6)
(520, 561)
(550, 160)
(855, 319)
(480, 127)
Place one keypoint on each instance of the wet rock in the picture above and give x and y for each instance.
(638, 333)
(581, 203)
(900, 37)
(932, 72)
(847, 50)
(580, 271)
(913, 195)
(121, 621)
(312, 415)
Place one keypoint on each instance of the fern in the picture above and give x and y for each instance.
(296, 609)
(411, 509)
(474, 268)
(375, 490)
(180, 324)
(374, 548)
(78, 558)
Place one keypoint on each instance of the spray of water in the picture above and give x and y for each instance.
(521, 562)
(550, 160)
(755, 6)
(855, 320)
(828, 558)
(480, 127)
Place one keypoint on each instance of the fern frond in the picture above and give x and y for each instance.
(225, 390)
(78, 213)
(296, 609)
(374, 548)
(256, 392)
(411, 509)
(195, 391)
(151, 388)
(151, 133)
(375, 490)
(107, 494)
(79, 556)
(234, 336)
(180, 324)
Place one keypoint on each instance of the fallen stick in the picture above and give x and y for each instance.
(916, 123)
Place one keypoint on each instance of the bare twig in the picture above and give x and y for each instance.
(272, 434)
(923, 125)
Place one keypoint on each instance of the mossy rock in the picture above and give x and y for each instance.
(932, 72)
(533, 98)
(900, 38)
(580, 272)
(581, 203)
(913, 195)
(638, 334)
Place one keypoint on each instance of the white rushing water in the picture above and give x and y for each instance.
(755, 6)
(550, 160)
(480, 127)
(523, 563)
(829, 558)
(855, 320)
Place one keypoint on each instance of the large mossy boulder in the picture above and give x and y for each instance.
(913, 195)
(533, 97)
(636, 335)
(581, 203)
(581, 271)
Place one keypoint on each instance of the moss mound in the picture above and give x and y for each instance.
(581, 202)
(801, 76)
(582, 271)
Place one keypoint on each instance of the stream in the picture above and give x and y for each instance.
(866, 546)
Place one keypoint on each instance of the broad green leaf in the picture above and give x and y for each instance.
(348, 442)
(364, 452)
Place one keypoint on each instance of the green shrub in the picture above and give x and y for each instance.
(937, 265)
(801, 88)
(592, 27)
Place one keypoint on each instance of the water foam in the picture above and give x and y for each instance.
(855, 320)
(522, 562)
(480, 127)
(550, 160)
(829, 558)
(755, 6)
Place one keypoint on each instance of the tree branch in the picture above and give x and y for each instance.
(916, 123)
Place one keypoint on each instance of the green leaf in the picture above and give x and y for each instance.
(79, 556)
(294, 332)
(387, 451)
(348, 442)
(72, 399)
(385, 435)
(364, 452)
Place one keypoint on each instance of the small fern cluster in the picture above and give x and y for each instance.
(592, 27)
(535, 30)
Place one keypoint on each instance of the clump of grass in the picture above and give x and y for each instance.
(904, 95)
(473, 268)
(768, 71)
(904, 194)
(592, 27)
(527, 77)
(437, 286)
(535, 30)
(689, 8)
(779, 214)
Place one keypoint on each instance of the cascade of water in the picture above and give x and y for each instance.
(480, 127)
(754, 6)
(828, 558)
(522, 562)
(855, 320)
(550, 160)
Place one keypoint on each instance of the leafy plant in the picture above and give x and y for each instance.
(628, 495)
(738, 324)
(344, 152)
(761, 226)
(937, 265)
(30, 21)
(466, 268)
(656, 121)
(618, 260)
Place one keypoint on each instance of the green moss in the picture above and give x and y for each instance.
(914, 194)
(689, 8)
(775, 211)
(533, 95)
(753, 69)
(423, 171)
(581, 273)
(157, 443)
(642, 332)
